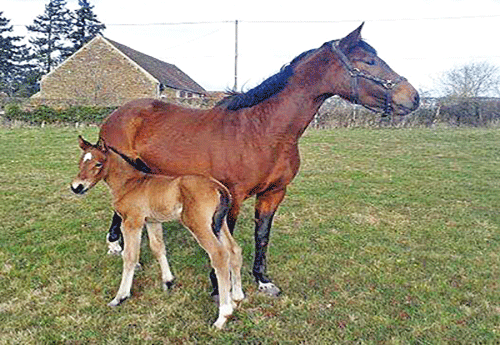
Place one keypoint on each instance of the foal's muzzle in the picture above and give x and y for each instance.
(78, 188)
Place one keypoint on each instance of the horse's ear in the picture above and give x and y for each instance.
(84, 144)
(351, 40)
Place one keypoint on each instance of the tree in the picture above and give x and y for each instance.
(52, 29)
(476, 79)
(466, 90)
(85, 26)
(13, 56)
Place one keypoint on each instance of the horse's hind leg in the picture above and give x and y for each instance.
(155, 234)
(132, 230)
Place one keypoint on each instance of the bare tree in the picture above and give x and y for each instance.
(473, 80)
(467, 92)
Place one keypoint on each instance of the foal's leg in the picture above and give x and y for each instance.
(232, 216)
(132, 229)
(200, 227)
(265, 208)
(219, 258)
(235, 263)
(155, 234)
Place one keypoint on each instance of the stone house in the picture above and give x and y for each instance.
(104, 72)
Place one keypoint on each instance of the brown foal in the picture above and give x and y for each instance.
(200, 203)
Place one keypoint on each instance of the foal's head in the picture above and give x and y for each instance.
(92, 166)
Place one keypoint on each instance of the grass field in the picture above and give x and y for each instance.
(385, 237)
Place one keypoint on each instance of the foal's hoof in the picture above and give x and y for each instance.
(117, 301)
(167, 286)
(269, 289)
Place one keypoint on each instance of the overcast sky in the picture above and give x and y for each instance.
(419, 39)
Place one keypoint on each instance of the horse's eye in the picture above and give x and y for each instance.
(371, 62)
(98, 165)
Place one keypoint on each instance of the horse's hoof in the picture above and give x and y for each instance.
(269, 289)
(114, 248)
(215, 298)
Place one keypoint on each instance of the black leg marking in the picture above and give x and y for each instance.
(262, 232)
(115, 232)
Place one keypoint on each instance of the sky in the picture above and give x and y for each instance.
(419, 39)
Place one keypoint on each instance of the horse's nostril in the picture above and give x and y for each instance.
(78, 189)
(416, 102)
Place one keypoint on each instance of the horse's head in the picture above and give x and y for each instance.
(92, 166)
(368, 80)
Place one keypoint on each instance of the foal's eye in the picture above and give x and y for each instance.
(98, 165)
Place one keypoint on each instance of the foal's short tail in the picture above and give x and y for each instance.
(222, 208)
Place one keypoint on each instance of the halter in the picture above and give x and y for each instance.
(356, 73)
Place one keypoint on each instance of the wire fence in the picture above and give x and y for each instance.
(335, 113)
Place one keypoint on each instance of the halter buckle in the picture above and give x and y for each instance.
(389, 84)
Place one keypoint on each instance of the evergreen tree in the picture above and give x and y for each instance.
(52, 29)
(85, 26)
(13, 58)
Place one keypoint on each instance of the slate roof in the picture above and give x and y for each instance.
(167, 74)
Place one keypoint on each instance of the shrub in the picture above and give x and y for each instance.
(44, 114)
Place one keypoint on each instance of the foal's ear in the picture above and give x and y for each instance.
(351, 40)
(101, 145)
(84, 144)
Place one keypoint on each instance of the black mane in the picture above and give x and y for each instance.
(272, 85)
(365, 46)
(268, 88)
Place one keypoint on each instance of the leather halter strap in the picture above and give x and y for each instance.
(356, 73)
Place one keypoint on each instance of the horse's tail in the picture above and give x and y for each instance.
(222, 208)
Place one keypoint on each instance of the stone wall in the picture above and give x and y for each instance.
(98, 74)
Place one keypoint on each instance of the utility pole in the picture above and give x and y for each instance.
(235, 87)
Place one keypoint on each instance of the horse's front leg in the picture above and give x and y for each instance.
(265, 208)
(114, 237)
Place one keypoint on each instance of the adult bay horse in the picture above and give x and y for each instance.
(249, 141)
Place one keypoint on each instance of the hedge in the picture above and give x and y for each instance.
(48, 115)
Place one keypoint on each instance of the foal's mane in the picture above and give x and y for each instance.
(274, 84)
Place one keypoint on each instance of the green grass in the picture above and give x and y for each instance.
(385, 237)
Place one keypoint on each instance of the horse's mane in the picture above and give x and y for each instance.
(365, 46)
(268, 88)
(272, 85)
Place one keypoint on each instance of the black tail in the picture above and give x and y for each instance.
(221, 211)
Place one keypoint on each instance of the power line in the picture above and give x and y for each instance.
(302, 21)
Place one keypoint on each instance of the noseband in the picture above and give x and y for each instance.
(355, 73)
